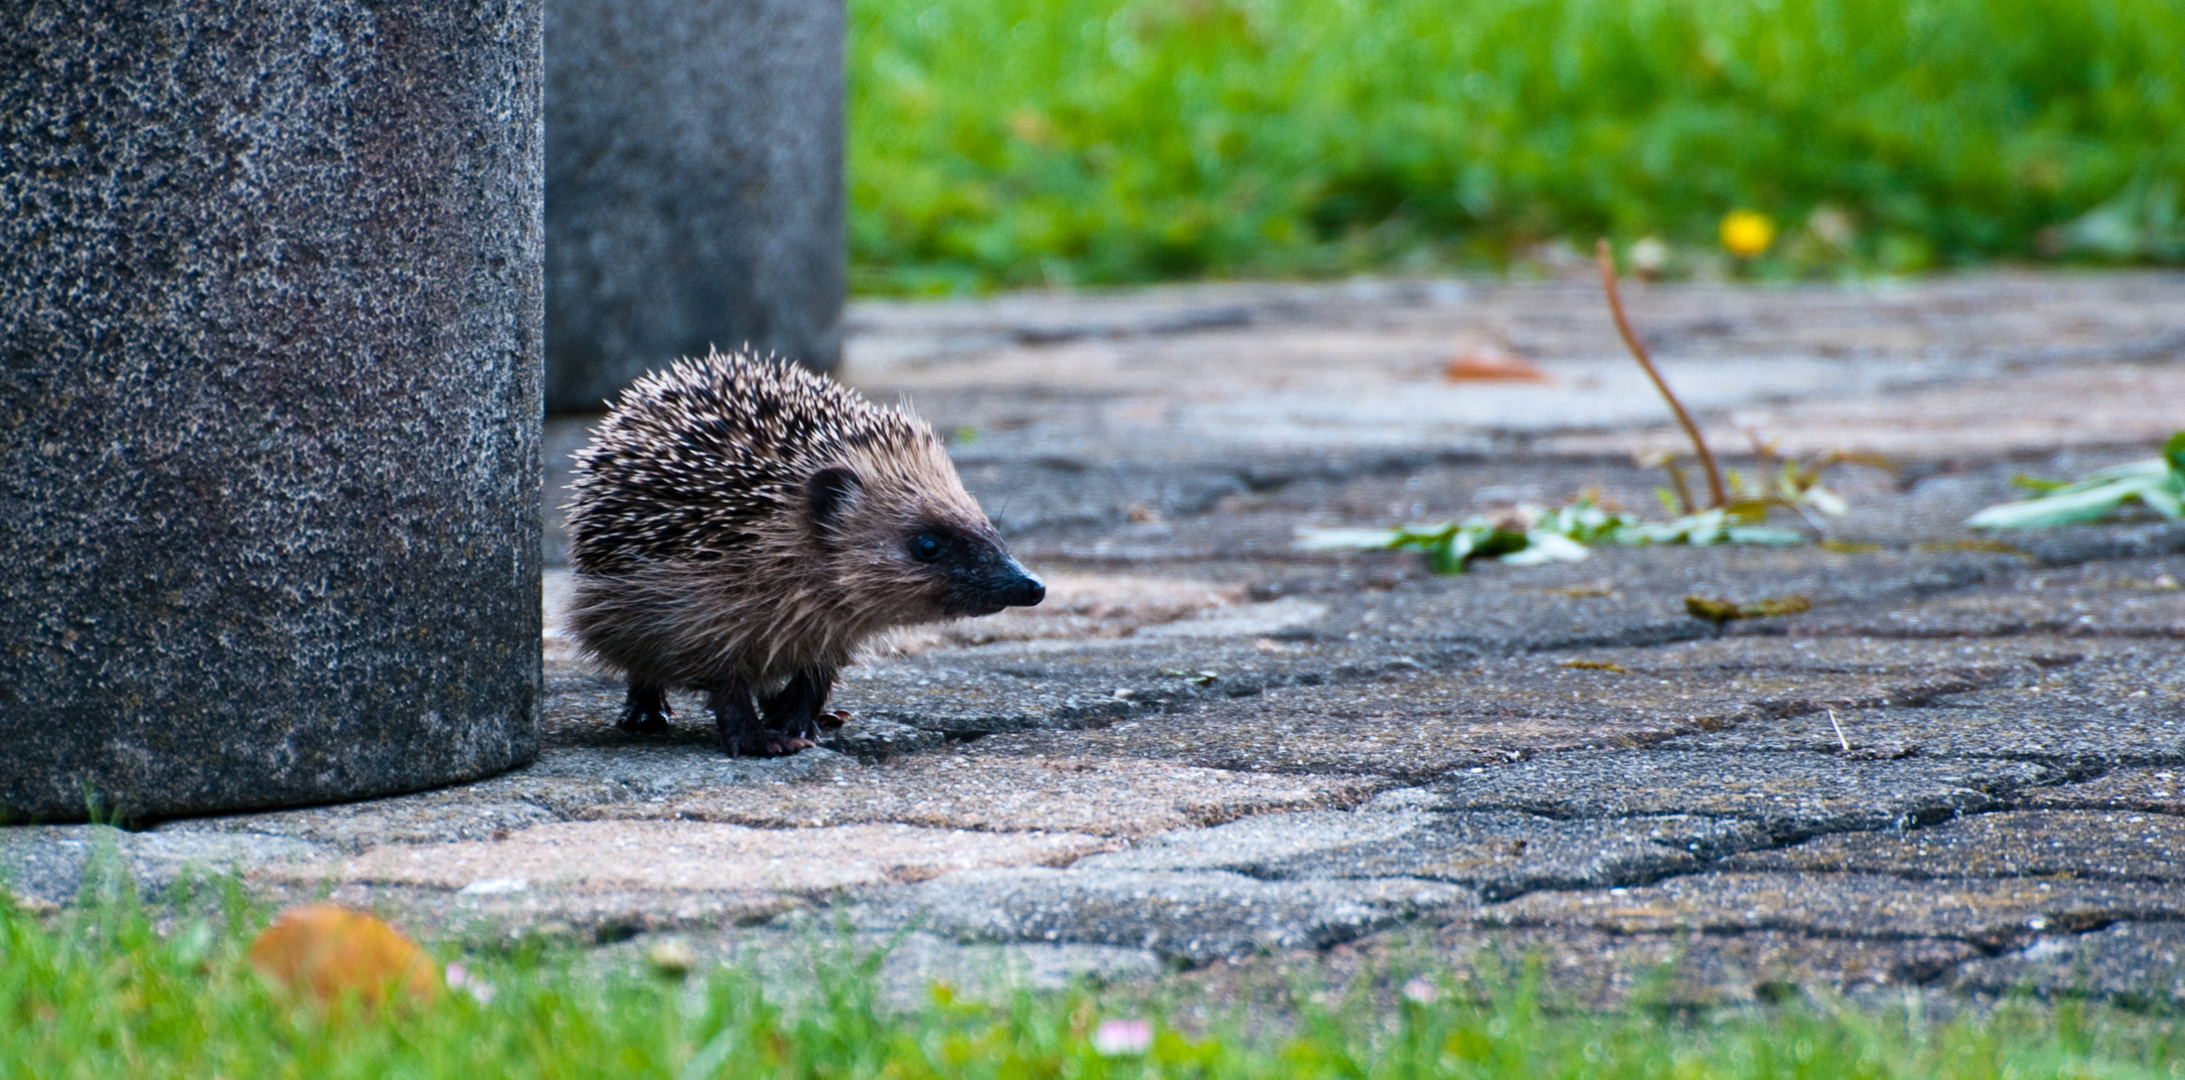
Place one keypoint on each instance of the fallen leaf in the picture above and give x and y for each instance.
(1722, 611)
(1602, 587)
(1486, 363)
(2001, 547)
(328, 950)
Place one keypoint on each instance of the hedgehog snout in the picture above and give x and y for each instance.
(1025, 591)
(992, 584)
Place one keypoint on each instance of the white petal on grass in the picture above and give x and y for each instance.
(1116, 1038)
(1422, 990)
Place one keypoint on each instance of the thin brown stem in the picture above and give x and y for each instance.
(1638, 352)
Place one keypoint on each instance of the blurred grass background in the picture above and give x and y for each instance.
(1009, 143)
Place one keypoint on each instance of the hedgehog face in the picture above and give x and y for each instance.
(921, 557)
(976, 577)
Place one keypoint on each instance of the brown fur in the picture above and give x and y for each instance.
(794, 599)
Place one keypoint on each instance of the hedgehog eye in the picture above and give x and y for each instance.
(925, 547)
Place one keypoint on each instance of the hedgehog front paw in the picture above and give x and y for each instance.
(645, 710)
(796, 713)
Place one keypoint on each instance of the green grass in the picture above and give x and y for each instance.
(1024, 142)
(117, 989)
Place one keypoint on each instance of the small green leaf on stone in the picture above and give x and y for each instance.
(2157, 484)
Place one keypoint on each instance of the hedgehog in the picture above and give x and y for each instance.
(739, 526)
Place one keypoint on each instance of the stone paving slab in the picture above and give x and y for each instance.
(2078, 361)
(1489, 711)
(2030, 608)
(1194, 918)
(2093, 406)
(1268, 735)
(568, 779)
(1122, 797)
(1499, 854)
(2155, 791)
(701, 857)
(430, 817)
(1615, 597)
(2017, 317)
(1992, 913)
(794, 948)
(47, 865)
(1792, 795)
(2136, 964)
(1602, 970)
(1034, 686)
(1904, 528)
(1646, 604)
(2104, 845)
(1579, 968)
(1983, 725)
(916, 961)
(502, 914)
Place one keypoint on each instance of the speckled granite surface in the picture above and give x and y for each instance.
(269, 380)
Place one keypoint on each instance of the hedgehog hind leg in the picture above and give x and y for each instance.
(645, 709)
(743, 732)
(798, 708)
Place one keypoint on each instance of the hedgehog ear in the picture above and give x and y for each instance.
(830, 491)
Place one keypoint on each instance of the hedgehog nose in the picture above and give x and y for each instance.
(1025, 591)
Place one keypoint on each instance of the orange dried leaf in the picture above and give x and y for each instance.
(327, 950)
(1491, 365)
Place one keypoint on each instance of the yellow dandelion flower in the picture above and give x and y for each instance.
(1747, 233)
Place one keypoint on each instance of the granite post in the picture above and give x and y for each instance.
(693, 186)
(270, 341)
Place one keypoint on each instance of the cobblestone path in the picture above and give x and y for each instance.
(1962, 770)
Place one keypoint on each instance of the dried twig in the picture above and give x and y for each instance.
(1638, 352)
(1840, 740)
